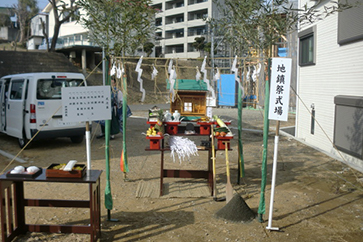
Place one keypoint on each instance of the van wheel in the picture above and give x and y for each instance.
(22, 142)
(77, 139)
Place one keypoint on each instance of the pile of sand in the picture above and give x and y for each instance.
(236, 210)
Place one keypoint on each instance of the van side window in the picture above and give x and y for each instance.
(51, 88)
(16, 89)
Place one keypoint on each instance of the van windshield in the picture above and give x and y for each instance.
(51, 88)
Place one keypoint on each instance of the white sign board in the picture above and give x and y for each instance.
(86, 103)
(280, 89)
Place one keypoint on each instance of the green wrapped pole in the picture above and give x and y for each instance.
(108, 196)
(124, 118)
(262, 206)
(241, 165)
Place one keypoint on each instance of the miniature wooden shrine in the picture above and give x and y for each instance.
(191, 98)
(190, 103)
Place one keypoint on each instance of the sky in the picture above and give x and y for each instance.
(9, 3)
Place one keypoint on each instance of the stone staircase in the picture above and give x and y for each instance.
(16, 62)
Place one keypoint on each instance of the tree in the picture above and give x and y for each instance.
(4, 20)
(25, 10)
(258, 24)
(208, 48)
(199, 44)
(148, 48)
(118, 25)
(62, 13)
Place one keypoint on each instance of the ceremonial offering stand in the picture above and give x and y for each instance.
(12, 202)
(176, 173)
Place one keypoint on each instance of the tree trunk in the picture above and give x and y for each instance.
(22, 29)
(55, 36)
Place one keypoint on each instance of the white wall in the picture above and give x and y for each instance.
(36, 26)
(66, 28)
(338, 71)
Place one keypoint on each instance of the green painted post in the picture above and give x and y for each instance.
(108, 195)
(262, 207)
(241, 165)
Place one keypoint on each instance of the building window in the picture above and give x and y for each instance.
(307, 47)
(350, 27)
(348, 124)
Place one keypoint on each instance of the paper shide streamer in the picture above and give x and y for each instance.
(204, 71)
(113, 69)
(172, 79)
(198, 75)
(184, 148)
(217, 76)
(256, 72)
(154, 73)
(119, 71)
(234, 69)
(139, 71)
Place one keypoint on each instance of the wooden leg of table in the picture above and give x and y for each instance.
(2, 212)
(161, 172)
(95, 210)
(12, 219)
(98, 209)
(91, 210)
(210, 171)
(9, 202)
(19, 207)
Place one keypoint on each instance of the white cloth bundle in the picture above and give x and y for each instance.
(183, 147)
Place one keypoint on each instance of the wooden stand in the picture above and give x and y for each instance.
(174, 173)
(12, 219)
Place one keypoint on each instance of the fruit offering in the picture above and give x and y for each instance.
(61, 167)
(221, 131)
(151, 131)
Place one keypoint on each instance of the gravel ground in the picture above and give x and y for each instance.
(316, 199)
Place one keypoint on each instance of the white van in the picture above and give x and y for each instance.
(31, 105)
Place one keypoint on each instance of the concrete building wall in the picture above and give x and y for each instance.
(337, 71)
(180, 23)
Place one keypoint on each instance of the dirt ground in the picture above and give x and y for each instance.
(316, 198)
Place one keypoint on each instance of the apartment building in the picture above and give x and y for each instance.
(178, 23)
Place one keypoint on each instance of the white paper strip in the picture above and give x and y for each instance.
(198, 75)
(204, 71)
(234, 69)
(172, 80)
(139, 70)
(182, 147)
(154, 73)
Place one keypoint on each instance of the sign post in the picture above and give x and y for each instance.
(84, 104)
(278, 110)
